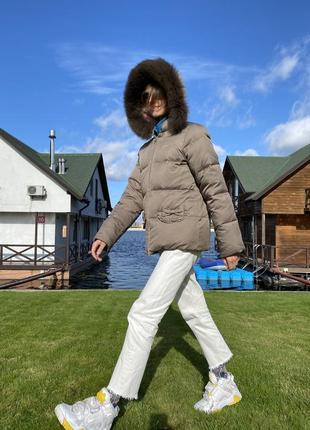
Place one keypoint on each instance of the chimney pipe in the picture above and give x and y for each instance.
(59, 166)
(52, 137)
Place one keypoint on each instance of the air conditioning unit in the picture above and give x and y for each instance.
(36, 190)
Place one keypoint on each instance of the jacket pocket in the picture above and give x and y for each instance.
(171, 215)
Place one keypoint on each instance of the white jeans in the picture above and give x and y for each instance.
(172, 278)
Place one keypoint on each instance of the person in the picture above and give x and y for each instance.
(178, 183)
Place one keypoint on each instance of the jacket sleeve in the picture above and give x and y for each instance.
(204, 165)
(125, 212)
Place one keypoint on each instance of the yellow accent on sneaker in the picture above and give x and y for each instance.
(101, 396)
(236, 399)
(66, 425)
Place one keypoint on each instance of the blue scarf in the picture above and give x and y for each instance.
(158, 125)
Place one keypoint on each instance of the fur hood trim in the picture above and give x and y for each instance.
(165, 74)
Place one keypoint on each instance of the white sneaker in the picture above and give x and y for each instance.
(219, 392)
(93, 413)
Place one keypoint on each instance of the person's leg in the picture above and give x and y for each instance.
(144, 317)
(145, 314)
(193, 307)
(221, 390)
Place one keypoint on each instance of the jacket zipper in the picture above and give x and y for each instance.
(154, 138)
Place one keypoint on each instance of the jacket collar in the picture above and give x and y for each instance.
(162, 127)
(158, 126)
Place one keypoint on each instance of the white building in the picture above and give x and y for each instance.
(51, 206)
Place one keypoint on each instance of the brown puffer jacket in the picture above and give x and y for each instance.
(177, 179)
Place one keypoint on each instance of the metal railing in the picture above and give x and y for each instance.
(77, 253)
(275, 256)
(26, 256)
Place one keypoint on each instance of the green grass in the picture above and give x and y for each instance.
(62, 346)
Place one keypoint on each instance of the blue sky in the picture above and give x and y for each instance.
(245, 65)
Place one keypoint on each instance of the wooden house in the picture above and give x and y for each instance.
(51, 207)
(271, 196)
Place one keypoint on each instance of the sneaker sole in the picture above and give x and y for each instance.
(62, 419)
(236, 399)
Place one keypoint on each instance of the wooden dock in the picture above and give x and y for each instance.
(33, 262)
(268, 264)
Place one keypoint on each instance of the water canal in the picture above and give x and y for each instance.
(127, 266)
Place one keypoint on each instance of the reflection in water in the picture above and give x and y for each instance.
(126, 266)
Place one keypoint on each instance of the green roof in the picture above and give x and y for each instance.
(259, 174)
(252, 171)
(79, 167)
(292, 163)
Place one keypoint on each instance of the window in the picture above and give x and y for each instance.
(307, 200)
(91, 186)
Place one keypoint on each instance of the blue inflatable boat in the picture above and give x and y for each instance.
(217, 264)
(213, 274)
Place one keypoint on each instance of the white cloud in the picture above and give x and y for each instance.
(246, 119)
(216, 72)
(116, 142)
(248, 151)
(68, 149)
(118, 145)
(115, 119)
(218, 115)
(225, 115)
(301, 108)
(102, 70)
(221, 152)
(290, 136)
(279, 71)
(97, 68)
(119, 156)
(228, 95)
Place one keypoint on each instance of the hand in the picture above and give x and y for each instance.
(97, 248)
(231, 262)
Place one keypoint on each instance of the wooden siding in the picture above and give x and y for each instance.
(292, 232)
(289, 196)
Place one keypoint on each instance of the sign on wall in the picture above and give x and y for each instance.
(41, 219)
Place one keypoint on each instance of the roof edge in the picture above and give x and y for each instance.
(273, 184)
(18, 146)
